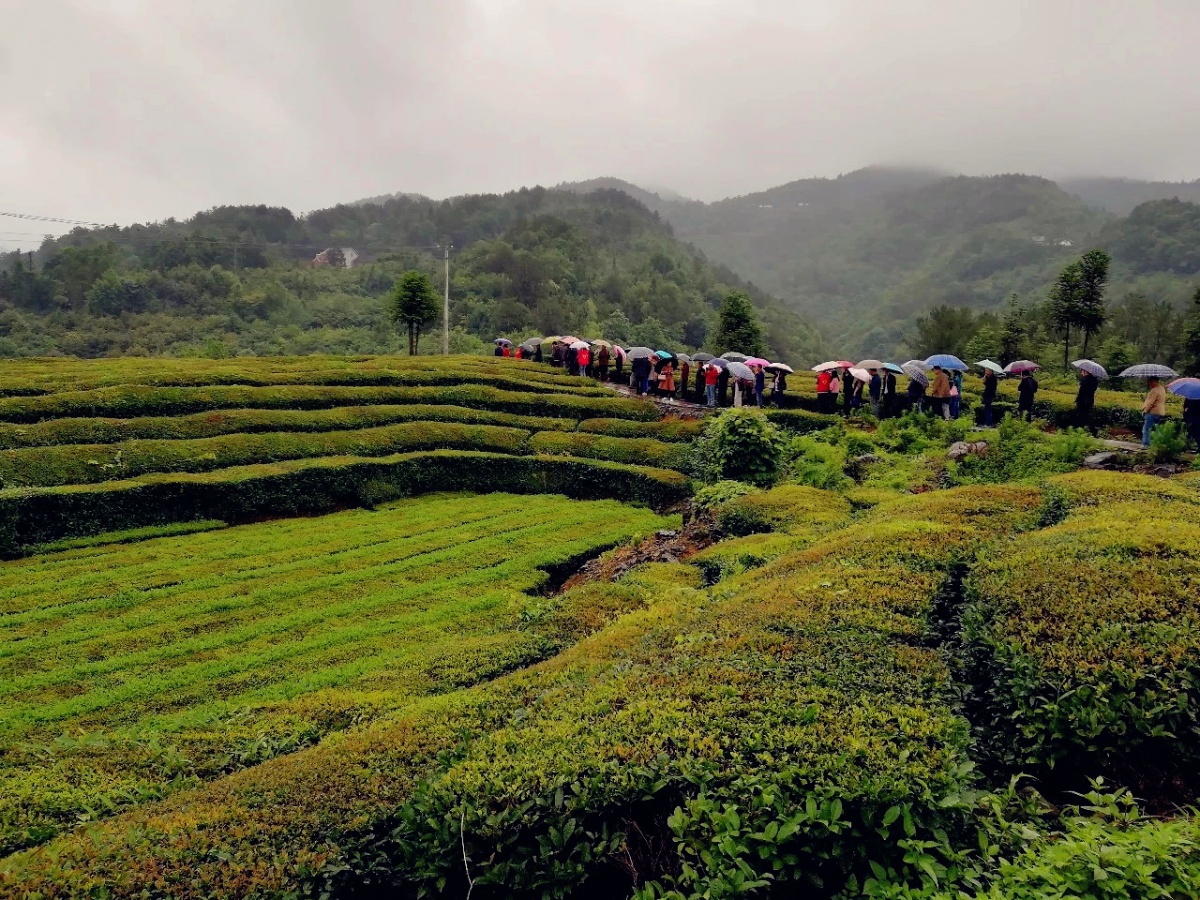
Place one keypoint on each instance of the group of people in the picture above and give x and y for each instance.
(836, 386)
(708, 383)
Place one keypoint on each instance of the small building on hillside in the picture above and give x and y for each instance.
(340, 257)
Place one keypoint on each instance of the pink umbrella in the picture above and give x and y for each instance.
(1021, 365)
(860, 374)
(620, 351)
(758, 361)
(833, 364)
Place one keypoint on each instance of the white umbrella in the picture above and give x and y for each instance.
(860, 374)
(1149, 370)
(1092, 368)
(871, 364)
(741, 371)
(991, 366)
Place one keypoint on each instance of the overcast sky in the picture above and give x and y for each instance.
(134, 110)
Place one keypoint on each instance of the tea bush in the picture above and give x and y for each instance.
(740, 445)
(1085, 637)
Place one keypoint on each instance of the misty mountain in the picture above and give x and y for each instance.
(1120, 195)
(865, 254)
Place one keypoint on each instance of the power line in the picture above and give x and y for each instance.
(33, 218)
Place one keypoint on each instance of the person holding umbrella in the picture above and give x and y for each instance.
(956, 383)
(685, 372)
(666, 380)
(875, 391)
(889, 392)
(940, 392)
(602, 360)
(619, 373)
(990, 386)
(916, 392)
(823, 394)
(1085, 400)
(701, 382)
(711, 376)
(779, 384)
(1189, 390)
(723, 387)
(1154, 409)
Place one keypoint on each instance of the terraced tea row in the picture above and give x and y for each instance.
(31, 377)
(801, 696)
(177, 660)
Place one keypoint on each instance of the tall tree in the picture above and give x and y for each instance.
(1064, 306)
(1093, 278)
(738, 328)
(944, 329)
(1012, 331)
(413, 303)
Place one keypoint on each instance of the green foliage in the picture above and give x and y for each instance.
(1023, 452)
(413, 303)
(738, 328)
(741, 445)
(710, 497)
(229, 648)
(1168, 441)
(1083, 638)
(816, 463)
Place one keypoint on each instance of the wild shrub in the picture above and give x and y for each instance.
(742, 445)
(817, 463)
(1168, 442)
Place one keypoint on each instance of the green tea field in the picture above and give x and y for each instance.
(355, 628)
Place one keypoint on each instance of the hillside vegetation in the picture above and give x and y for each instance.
(239, 280)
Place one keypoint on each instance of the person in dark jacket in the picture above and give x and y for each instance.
(778, 386)
(572, 360)
(556, 356)
(916, 395)
(1026, 391)
(990, 384)
(760, 385)
(1191, 419)
(700, 383)
(723, 388)
(889, 393)
(602, 360)
(499, 350)
(848, 381)
(876, 392)
(619, 371)
(537, 354)
(640, 369)
(1085, 401)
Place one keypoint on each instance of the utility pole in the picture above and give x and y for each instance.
(446, 306)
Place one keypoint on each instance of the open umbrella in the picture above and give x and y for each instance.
(535, 341)
(780, 367)
(620, 351)
(757, 361)
(607, 344)
(683, 357)
(579, 345)
(740, 370)
(505, 341)
(702, 356)
(718, 363)
(991, 366)
(664, 354)
(733, 356)
(1092, 368)
(640, 353)
(871, 364)
(1187, 388)
(892, 367)
(946, 361)
(919, 377)
(530, 346)
(1149, 370)
(832, 364)
(860, 374)
(1020, 366)
(915, 364)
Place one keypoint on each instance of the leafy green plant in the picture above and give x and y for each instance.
(742, 445)
(1168, 441)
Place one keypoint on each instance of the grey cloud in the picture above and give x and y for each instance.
(122, 110)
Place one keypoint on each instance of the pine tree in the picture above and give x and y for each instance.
(1192, 345)
(1064, 306)
(738, 328)
(1090, 310)
(413, 303)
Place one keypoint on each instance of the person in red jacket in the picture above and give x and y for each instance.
(824, 379)
(711, 376)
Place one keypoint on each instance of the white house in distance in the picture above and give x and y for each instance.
(341, 257)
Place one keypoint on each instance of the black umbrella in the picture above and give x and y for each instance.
(702, 357)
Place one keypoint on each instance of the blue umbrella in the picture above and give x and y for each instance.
(946, 361)
(664, 354)
(892, 367)
(1149, 370)
(1187, 388)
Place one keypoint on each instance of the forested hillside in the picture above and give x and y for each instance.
(241, 280)
(869, 254)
